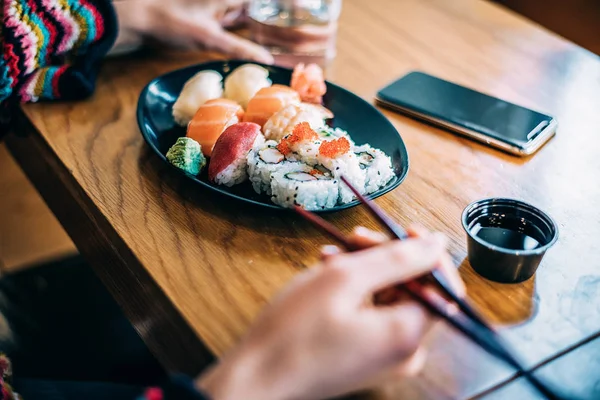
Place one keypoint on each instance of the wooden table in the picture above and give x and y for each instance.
(192, 270)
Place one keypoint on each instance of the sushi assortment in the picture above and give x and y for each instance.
(274, 136)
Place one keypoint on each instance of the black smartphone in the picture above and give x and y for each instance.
(489, 120)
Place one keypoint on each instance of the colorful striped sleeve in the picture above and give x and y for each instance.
(51, 48)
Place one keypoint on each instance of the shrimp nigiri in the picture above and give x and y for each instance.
(282, 123)
(268, 101)
(211, 119)
(308, 81)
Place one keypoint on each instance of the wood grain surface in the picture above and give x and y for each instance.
(190, 259)
(29, 233)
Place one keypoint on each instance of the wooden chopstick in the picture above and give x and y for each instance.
(396, 231)
(436, 305)
(469, 323)
(326, 227)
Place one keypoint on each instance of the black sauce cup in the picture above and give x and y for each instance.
(504, 264)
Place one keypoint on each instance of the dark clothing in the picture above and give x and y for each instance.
(72, 341)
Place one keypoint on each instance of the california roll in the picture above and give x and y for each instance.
(339, 159)
(376, 165)
(263, 161)
(304, 186)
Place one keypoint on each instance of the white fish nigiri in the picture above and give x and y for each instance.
(204, 86)
(243, 83)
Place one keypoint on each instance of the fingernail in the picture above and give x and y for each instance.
(329, 250)
(361, 231)
(268, 59)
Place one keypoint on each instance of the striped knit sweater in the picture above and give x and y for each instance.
(51, 48)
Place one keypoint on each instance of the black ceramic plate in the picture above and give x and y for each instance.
(363, 121)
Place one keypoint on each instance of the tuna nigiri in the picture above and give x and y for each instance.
(228, 163)
(211, 119)
(268, 101)
(308, 81)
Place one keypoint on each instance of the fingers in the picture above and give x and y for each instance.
(234, 17)
(417, 231)
(210, 34)
(446, 265)
(364, 238)
(411, 367)
(400, 370)
(405, 326)
(391, 263)
(361, 237)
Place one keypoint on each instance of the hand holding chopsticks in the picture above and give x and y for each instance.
(467, 321)
(319, 338)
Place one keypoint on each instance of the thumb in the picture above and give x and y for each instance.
(211, 35)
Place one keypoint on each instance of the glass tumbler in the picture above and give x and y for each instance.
(296, 31)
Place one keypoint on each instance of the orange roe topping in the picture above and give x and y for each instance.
(334, 148)
(284, 148)
(302, 132)
(314, 172)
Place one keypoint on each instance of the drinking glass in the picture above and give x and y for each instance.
(296, 30)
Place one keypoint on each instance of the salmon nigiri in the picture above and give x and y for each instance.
(211, 119)
(268, 101)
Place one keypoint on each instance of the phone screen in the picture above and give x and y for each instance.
(446, 101)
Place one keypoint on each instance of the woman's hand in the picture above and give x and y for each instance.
(323, 337)
(186, 24)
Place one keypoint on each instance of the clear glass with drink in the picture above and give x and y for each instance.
(296, 30)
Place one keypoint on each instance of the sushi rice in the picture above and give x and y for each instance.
(348, 166)
(263, 161)
(306, 152)
(304, 186)
(376, 165)
(329, 133)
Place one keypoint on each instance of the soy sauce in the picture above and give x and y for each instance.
(509, 233)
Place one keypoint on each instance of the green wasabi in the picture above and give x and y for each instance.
(186, 154)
